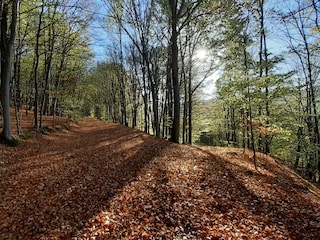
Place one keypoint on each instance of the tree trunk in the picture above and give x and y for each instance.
(134, 89)
(249, 101)
(169, 96)
(185, 89)
(35, 70)
(299, 139)
(145, 98)
(190, 92)
(17, 75)
(122, 85)
(48, 63)
(175, 72)
(7, 47)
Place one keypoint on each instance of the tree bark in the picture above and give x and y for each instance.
(175, 72)
(48, 63)
(7, 49)
(35, 70)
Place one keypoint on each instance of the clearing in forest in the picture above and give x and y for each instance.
(106, 181)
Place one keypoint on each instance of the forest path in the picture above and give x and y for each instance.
(111, 182)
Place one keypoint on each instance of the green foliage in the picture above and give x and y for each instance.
(100, 90)
(243, 89)
(63, 43)
(208, 127)
(25, 136)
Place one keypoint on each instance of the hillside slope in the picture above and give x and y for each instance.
(26, 122)
(106, 181)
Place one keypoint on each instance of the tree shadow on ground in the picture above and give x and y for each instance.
(276, 202)
(58, 183)
(54, 187)
(199, 194)
(194, 193)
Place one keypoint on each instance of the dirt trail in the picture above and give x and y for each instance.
(111, 182)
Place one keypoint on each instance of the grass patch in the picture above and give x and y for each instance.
(25, 136)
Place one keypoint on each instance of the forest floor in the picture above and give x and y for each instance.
(26, 123)
(106, 181)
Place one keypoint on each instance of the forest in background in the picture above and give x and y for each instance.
(159, 56)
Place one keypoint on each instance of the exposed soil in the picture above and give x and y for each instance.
(106, 181)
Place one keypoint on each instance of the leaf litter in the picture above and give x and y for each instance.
(106, 181)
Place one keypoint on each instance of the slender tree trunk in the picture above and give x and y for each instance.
(228, 120)
(185, 89)
(48, 63)
(145, 99)
(57, 83)
(299, 136)
(155, 109)
(249, 102)
(248, 130)
(122, 85)
(135, 93)
(234, 127)
(35, 70)
(17, 91)
(243, 129)
(264, 66)
(134, 102)
(169, 96)
(153, 79)
(175, 72)
(185, 117)
(190, 92)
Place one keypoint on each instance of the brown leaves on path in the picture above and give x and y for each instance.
(106, 181)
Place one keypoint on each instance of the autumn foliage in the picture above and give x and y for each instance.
(106, 181)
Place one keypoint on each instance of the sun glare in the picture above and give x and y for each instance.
(201, 54)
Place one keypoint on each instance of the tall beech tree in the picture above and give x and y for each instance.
(176, 12)
(8, 25)
(181, 12)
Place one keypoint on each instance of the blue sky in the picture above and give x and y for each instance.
(101, 39)
(98, 34)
